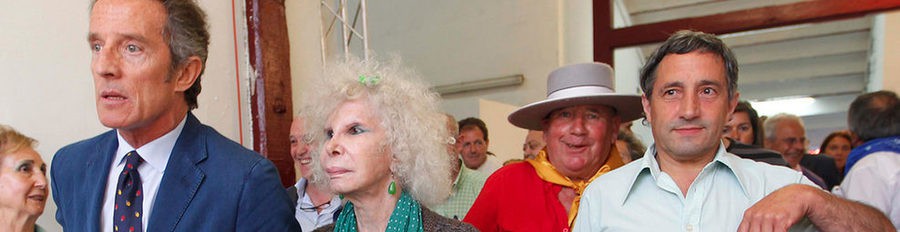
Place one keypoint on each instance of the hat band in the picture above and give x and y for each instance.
(580, 91)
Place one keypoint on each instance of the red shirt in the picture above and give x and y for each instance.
(515, 198)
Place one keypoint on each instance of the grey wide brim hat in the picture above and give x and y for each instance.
(578, 84)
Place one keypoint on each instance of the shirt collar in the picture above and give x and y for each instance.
(155, 153)
(462, 169)
(731, 163)
(301, 186)
(303, 199)
(650, 165)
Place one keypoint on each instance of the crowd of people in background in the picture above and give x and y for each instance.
(376, 153)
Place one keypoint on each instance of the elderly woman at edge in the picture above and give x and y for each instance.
(23, 183)
(382, 145)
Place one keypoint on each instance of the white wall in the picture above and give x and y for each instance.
(303, 20)
(456, 41)
(628, 63)
(451, 42)
(576, 34)
(506, 139)
(47, 89)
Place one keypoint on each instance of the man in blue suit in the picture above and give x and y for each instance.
(159, 169)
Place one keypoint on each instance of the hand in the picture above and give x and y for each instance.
(779, 210)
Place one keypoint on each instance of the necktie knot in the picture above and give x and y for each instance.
(132, 160)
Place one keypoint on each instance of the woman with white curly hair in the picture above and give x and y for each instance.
(381, 145)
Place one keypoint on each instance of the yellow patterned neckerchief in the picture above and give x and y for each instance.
(548, 173)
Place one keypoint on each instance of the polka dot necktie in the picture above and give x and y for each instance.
(129, 199)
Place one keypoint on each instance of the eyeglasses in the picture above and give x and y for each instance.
(314, 208)
(450, 140)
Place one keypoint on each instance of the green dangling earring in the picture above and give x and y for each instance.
(392, 188)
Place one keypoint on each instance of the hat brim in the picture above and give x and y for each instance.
(531, 116)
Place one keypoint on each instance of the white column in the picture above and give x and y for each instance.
(576, 39)
(885, 73)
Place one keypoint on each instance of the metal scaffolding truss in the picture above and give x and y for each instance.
(350, 29)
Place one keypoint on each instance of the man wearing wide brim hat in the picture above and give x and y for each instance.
(580, 119)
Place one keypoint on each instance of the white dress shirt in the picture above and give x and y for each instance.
(156, 156)
(875, 180)
(490, 165)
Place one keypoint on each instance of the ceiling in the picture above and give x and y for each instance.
(826, 61)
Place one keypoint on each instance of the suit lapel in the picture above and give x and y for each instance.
(181, 179)
(97, 173)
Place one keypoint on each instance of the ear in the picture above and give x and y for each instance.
(646, 103)
(545, 132)
(732, 104)
(614, 131)
(854, 139)
(188, 73)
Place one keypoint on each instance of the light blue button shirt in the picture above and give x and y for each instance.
(640, 197)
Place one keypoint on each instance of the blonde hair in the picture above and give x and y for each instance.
(11, 140)
(407, 110)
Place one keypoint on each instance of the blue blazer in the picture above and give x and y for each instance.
(210, 184)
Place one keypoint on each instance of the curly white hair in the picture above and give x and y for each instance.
(406, 108)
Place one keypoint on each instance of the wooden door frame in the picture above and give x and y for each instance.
(607, 39)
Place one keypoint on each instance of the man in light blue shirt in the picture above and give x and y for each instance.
(686, 181)
(641, 197)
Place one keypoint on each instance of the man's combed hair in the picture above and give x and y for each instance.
(875, 115)
(470, 123)
(12, 141)
(415, 128)
(187, 33)
(683, 42)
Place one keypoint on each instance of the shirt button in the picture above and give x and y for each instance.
(689, 227)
